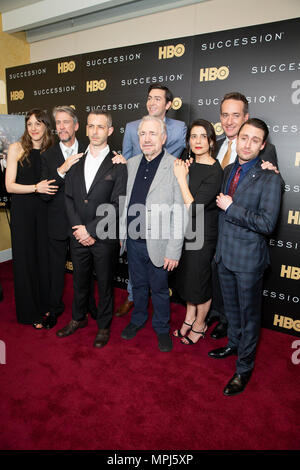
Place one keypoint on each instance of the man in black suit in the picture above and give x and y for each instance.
(92, 191)
(233, 113)
(56, 162)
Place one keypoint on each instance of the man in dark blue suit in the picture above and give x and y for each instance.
(250, 203)
(234, 111)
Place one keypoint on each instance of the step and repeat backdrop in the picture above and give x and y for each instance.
(262, 62)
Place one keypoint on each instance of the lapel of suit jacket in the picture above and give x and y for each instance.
(227, 173)
(251, 177)
(60, 159)
(160, 173)
(219, 144)
(80, 172)
(102, 170)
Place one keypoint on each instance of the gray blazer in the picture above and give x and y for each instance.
(165, 197)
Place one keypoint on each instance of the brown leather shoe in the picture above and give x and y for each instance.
(71, 327)
(124, 308)
(102, 338)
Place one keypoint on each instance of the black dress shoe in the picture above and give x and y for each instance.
(221, 353)
(49, 322)
(71, 327)
(165, 342)
(219, 331)
(131, 330)
(102, 338)
(236, 384)
(212, 316)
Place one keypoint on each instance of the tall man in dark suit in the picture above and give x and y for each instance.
(159, 101)
(93, 187)
(249, 203)
(56, 162)
(234, 111)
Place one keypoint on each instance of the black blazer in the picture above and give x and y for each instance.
(57, 217)
(268, 154)
(109, 183)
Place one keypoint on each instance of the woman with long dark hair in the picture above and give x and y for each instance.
(193, 276)
(28, 218)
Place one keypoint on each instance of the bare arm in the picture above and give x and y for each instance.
(14, 153)
(181, 172)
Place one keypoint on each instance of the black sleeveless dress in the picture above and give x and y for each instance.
(193, 275)
(30, 245)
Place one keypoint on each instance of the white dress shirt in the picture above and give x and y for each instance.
(67, 151)
(223, 150)
(92, 165)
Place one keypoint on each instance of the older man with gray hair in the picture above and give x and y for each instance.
(149, 230)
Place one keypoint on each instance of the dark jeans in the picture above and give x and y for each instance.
(145, 276)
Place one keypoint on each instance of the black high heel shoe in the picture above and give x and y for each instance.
(179, 335)
(189, 341)
(39, 324)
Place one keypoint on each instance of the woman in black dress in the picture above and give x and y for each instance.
(28, 218)
(193, 276)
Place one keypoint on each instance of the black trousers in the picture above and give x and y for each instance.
(102, 257)
(58, 250)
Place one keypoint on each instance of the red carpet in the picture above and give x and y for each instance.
(64, 394)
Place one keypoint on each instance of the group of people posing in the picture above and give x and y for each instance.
(170, 182)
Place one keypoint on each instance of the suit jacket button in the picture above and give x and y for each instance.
(86, 201)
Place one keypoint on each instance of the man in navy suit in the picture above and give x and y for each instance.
(159, 101)
(234, 111)
(250, 203)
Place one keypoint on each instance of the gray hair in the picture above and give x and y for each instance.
(65, 109)
(155, 119)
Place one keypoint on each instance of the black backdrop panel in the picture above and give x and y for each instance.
(262, 62)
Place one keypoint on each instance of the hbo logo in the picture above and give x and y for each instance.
(16, 95)
(212, 73)
(64, 67)
(168, 52)
(95, 85)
